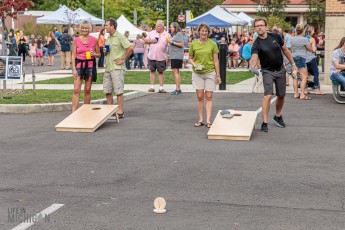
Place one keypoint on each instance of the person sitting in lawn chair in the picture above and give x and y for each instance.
(234, 54)
(337, 71)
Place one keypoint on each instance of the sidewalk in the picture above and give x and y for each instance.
(241, 87)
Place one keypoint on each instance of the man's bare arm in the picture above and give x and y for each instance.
(287, 53)
(253, 61)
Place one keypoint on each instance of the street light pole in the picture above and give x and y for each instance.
(102, 9)
(167, 15)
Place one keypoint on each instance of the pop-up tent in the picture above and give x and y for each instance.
(124, 25)
(245, 17)
(82, 15)
(221, 14)
(63, 15)
(211, 20)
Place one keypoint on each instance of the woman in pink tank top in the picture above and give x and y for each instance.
(84, 53)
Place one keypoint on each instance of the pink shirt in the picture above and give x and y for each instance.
(138, 46)
(235, 48)
(83, 48)
(157, 51)
(32, 49)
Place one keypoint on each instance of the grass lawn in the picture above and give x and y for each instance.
(47, 96)
(142, 77)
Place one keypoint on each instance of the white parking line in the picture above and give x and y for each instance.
(260, 109)
(38, 216)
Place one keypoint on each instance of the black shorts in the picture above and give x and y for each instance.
(176, 63)
(278, 77)
(160, 66)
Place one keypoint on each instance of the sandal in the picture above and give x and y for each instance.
(198, 124)
(208, 125)
(296, 97)
(121, 115)
(320, 93)
(305, 98)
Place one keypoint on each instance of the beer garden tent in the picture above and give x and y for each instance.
(221, 14)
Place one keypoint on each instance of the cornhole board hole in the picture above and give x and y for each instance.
(87, 118)
(239, 127)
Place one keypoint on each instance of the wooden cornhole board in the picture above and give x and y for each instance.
(235, 128)
(87, 118)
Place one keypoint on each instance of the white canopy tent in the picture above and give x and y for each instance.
(224, 15)
(124, 25)
(82, 15)
(246, 18)
(63, 15)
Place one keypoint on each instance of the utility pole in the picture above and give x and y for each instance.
(167, 15)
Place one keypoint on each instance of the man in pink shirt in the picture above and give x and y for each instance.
(157, 54)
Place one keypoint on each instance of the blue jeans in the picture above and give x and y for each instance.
(45, 51)
(138, 57)
(339, 77)
(128, 63)
(313, 69)
(101, 59)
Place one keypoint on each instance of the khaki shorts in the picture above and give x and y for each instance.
(114, 81)
(206, 81)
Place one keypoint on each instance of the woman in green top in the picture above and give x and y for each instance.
(203, 55)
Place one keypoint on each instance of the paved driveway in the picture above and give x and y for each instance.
(290, 178)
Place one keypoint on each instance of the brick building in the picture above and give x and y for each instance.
(335, 29)
(295, 9)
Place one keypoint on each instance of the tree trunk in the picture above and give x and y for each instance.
(4, 45)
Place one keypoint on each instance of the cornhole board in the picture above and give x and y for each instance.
(239, 127)
(87, 118)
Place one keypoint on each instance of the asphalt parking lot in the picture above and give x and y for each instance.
(290, 178)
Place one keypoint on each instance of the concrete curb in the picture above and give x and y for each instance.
(55, 107)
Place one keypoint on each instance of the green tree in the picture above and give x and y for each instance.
(93, 7)
(272, 7)
(153, 10)
(53, 4)
(316, 13)
(48, 5)
(123, 7)
(196, 6)
(273, 20)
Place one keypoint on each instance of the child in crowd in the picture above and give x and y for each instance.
(32, 51)
(39, 51)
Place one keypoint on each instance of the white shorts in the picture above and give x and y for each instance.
(206, 81)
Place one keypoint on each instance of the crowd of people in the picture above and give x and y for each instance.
(38, 48)
(275, 52)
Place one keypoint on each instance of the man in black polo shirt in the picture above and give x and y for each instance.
(268, 48)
